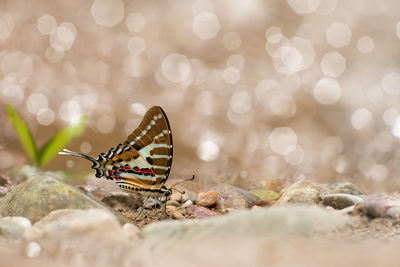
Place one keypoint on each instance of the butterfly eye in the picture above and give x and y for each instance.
(167, 192)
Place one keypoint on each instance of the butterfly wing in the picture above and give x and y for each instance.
(143, 161)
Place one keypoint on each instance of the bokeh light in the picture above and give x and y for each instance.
(338, 35)
(107, 13)
(208, 150)
(176, 68)
(333, 64)
(206, 25)
(135, 22)
(283, 140)
(327, 91)
(282, 89)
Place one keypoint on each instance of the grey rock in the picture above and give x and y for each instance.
(277, 221)
(340, 200)
(380, 205)
(303, 192)
(71, 222)
(13, 227)
(41, 194)
(343, 187)
(230, 196)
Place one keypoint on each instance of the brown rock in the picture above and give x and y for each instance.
(230, 196)
(207, 199)
(199, 212)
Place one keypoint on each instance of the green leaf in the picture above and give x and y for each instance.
(60, 140)
(24, 134)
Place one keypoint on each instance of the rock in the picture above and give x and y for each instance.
(187, 204)
(123, 200)
(199, 212)
(176, 196)
(340, 200)
(41, 194)
(13, 227)
(302, 192)
(230, 196)
(393, 212)
(207, 199)
(131, 231)
(150, 203)
(173, 203)
(379, 205)
(276, 221)
(189, 195)
(265, 195)
(343, 187)
(175, 213)
(69, 222)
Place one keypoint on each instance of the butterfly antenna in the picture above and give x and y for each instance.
(182, 192)
(76, 154)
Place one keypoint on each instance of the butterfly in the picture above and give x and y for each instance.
(143, 161)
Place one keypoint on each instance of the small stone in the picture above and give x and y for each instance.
(175, 213)
(394, 212)
(150, 203)
(343, 187)
(187, 204)
(266, 195)
(207, 199)
(200, 212)
(131, 230)
(379, 205)
(302, 192)
(176, 196)
(255, 207)
(230, 196)
(340, 201)
(14, 227)
(173, 203)
(189, 195)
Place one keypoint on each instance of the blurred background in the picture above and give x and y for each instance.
(254, 90)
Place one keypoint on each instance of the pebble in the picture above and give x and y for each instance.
(187, 204)
(379, 205)
(230, 196)
(200, 212)
(173, 203)
(207, 199)
(150, 203)
(267, 197)
(175, 213)
(340, 201)
(13, 226)
(343, 187)
(302, 192)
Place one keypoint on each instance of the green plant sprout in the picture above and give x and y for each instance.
(51, 147)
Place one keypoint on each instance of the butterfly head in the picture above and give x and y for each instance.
(166, 191)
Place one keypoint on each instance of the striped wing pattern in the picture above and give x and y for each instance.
(143, 161)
